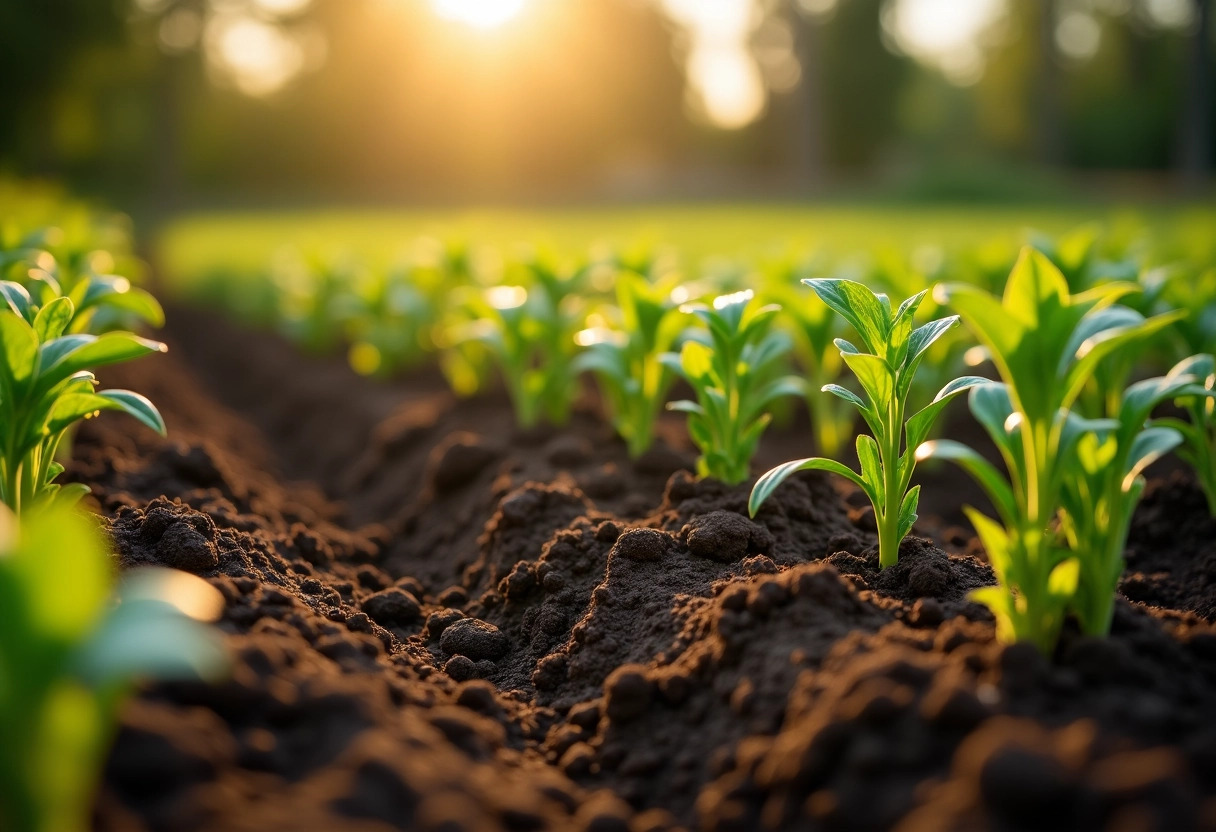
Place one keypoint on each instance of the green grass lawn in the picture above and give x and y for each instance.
(246, 242)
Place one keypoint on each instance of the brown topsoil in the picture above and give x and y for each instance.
(438, 622)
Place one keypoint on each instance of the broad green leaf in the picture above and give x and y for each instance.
(117, 292)
(875, 378)
(768, 483)
(996, 329)
(1062, 583)
(871, 466)
(996, 540)
(53, 319)
(907, 511)
(1035, 289)
(111, 348)
(1149, 445)
(137, 406)
(18, 299)
(20, 351)
(857, 305)
(696, 361)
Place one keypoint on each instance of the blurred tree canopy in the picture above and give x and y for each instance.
(381, 99)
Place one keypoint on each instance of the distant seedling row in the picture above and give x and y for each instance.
(1054, 337)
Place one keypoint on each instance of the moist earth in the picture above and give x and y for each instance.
(440, 623)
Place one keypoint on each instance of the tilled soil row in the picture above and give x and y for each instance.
(440, 623)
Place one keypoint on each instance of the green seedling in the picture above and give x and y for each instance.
(1105, 484)
(734, 367)
(626, 358)
(530, 331)
(895, 350)
(1046, 344)
(393, 328)
(69, 657)
(1198, 431)
(46, 386)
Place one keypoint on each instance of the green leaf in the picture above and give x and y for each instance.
(871, 467)
(1064, 578)
(875, 378)
(696, 361)
(53, 319)
(996, 540)
(768, 483)
(921, 423)
(111, 348)
(981, 470)
(1001, 604)
(925, 336)
(118, 293)
(136, 406)
(857, 305)
(907, 511)
(18, 299)
(1035, 287)
(20, 352)
(1149, 445)
(844, 393)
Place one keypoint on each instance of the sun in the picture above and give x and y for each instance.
(484, 14)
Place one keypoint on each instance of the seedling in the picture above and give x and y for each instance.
(626, 358)
(885, 372)
(530, 332)
(1046, 344)
(392, 329)
(68, 658)
(734, 367)
(1198, 431)
(1105, 484)
(46, 386)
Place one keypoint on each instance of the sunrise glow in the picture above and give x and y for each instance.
(483, 14)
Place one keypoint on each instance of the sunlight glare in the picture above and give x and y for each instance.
(945, 33)
(483, 14)
(721, 68)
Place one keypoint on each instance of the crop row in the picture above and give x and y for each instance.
(72, 640)
(1052, 343)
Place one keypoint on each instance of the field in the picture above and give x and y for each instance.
(476, 577)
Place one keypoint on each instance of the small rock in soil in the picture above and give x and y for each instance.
(474, 638)
(642, 544)
(725, 536)
(393, 608)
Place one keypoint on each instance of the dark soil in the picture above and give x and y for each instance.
(440, 623)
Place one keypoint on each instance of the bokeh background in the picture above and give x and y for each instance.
(163, 106)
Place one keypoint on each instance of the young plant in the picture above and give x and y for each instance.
(1198, 431)
(46, 386)
(68, 658)
(1046, 344)
(734, 368)
(885, 372)
(1105, 485)
(625, 358)
(530, 333)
